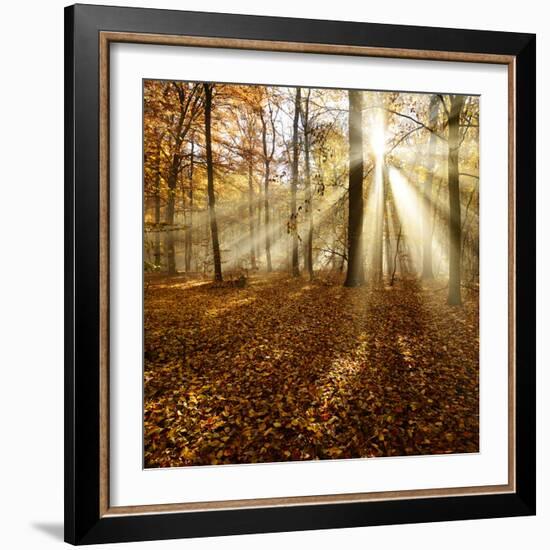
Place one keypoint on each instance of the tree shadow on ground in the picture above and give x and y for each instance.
(289, 369)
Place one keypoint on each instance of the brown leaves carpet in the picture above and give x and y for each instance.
(288, 369)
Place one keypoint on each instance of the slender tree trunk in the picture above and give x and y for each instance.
(455, 230)
(436, 215)
(251, 214)
(345, 248)
(266, 218)
(184, 210)
(465, 222)
(356, 270)
(394, 225)
(259, 230)
(157, 256)
(210, 179)
(309, 213)
(309, 197)
(169, 222)
(427, 232)
(189, 225)
(392, 280)
(389, 257)
(267, 175)
(294, 185)
(380, 213)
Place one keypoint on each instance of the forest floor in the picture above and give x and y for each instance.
(288, 369)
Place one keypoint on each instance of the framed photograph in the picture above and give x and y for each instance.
(300, 274)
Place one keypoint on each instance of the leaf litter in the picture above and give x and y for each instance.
(288, 369)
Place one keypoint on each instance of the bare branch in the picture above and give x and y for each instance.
(416, 121)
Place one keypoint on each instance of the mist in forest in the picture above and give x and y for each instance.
(311, 273)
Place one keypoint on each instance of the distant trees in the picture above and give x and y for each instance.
(189, 100)
(248, 140)
(250, 136)
(268, 113)
(284, 179)
(155, 133)
(427, 267)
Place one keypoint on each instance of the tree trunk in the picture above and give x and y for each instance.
(427, 231)
(344, 257)
(188, 107)
(189, 228)
(267, 175)
(380, 213)
(455, 230)
(251, 214)
(169, 222)
(356, 270)
(389, 257)
(309, 197)
(266, 218)
(157, 257)
(392, 280)
(294, 185)
(170, 204)
(210, 179)
(259, 219)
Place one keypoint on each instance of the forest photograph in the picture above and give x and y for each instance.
(310, 273)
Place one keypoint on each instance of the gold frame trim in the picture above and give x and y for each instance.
(105, 39)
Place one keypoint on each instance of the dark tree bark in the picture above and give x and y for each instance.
(189, 224)
(309, 196)
(345, 248)
(294, 185)
(210, 180)
(356, 270)
(427, 231)
(156, 190)
(455, 229)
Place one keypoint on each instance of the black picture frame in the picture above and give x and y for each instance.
(84, 524)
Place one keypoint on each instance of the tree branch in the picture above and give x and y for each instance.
(416, 121)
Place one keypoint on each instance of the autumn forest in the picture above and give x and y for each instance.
(311, 278)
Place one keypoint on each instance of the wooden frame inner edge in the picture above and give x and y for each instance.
(105, 38)
(103, 276)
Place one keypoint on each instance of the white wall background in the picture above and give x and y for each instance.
(31, 275)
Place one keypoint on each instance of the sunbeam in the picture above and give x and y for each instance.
(411, 209)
